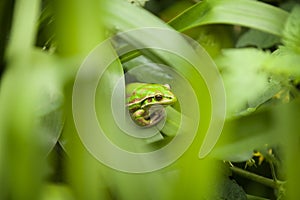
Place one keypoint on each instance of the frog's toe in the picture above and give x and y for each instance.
(142, 121)
(138, 113)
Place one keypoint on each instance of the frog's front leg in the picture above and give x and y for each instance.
(139, 116)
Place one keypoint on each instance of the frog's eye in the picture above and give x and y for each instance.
(158, 97)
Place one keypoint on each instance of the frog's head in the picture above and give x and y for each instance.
(144, 95)
(158, 95)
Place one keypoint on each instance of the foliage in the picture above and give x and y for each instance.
(255, 46)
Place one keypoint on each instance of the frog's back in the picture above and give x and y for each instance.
(137, 92)
(132, 87)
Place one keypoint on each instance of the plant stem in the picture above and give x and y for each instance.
(129, 56)
(23, 31)
(273, 171)
(260, 179)
(255, 197)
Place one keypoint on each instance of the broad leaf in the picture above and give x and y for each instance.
(253, 14)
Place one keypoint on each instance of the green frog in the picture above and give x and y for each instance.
(146, 102)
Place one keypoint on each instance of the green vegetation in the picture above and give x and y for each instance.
(255, 46)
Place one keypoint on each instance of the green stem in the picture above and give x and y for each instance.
(23, 30)
(255, 197)
(129, 56)
(257, 178)
(273, 171)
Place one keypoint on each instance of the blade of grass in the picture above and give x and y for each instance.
(23, 31)
(22, 154)
(287, 117)
(79, 32)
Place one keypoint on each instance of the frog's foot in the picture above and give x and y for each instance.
(139, 118)
(141, 121)
(156, 116)
(148, 119)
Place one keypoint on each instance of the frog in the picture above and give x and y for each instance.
(146, 102)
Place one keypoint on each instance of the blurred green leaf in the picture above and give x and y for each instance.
(259, 39)
(223, 187)
(79, 26)
(244, 78)
(79, 30)
(144, 68)
(21, 88)
(284, 63)
(174, 9)
(214, 38)
(253, 14)
(135, 17)
(241, 136)
(286, 124)
(57, 192)
(23, 31)
(291, 31)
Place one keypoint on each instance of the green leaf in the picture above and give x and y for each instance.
(135, 16)
(244, 78)
(243, 135)
(284, 62)
(214, 38)
(288, 125)
(222, 187)
(291, 33)
(57, 192)
(229, 189)
(23, 31)
(257, 39)
(247, 13)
